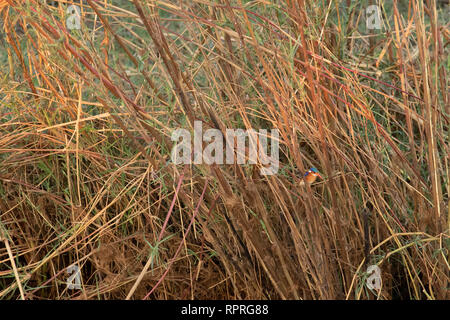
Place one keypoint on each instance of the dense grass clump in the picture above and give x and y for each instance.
(86, 176)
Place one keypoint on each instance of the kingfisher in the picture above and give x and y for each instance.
(311, 176)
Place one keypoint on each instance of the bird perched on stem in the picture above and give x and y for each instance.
(311, 176)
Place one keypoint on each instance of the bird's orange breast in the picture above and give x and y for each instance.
(310, 178)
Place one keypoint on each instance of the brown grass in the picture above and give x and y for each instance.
(85, 176)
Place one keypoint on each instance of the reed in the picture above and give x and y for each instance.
(85, 141)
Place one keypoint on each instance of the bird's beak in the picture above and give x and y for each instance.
(318, 174)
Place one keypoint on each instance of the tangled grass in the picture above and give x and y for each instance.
(85, 139)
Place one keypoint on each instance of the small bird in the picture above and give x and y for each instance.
(311, 176)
